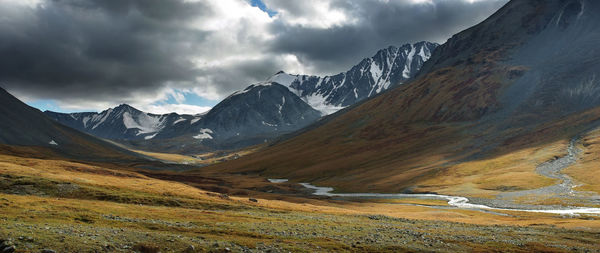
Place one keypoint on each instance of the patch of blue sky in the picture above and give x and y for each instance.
(52, 105)
(263, 7)
(190, 98)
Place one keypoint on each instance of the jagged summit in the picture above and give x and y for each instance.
(125, 107)
(260, 110)
(389, 66)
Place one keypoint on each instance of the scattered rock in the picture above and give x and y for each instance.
(48, 251)
(253, 200)
(4, 244)
(376, 217)
(145, 248)
(8, 249)
(190, 249)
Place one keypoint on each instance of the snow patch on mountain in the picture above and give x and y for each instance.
(179, 120)
(282, 78)
(100, 118)
(195, 120)
(205, 133)
(145, 123)
(319, 102)
(408, 66)
(268, 124)
(376, 71)
(150, 136)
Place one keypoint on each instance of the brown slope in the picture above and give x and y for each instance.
(473, 101)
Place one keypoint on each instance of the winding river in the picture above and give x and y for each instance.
(456, 201)
(504, 201)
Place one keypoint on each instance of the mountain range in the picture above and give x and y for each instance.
(121, 122)
(282, 104)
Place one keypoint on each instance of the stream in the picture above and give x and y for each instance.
(456, 201)
(504, 201)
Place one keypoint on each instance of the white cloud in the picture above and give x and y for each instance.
(178, 96)
(29, 3)
(169, 108)
(152, 104)
(311, 13)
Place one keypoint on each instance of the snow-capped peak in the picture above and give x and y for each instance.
(391, 65)
(283, 78)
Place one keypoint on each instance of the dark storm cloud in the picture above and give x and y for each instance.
(380, 24)
(240, 74)
(96, 48)
(111, 51)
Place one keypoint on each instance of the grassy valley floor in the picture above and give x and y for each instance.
(76, 207)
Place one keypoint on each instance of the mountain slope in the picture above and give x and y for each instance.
(21, 125)
(263, 109)
(392, 65)
(251, 116)
(523, 78)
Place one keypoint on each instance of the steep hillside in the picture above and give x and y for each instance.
(523, 78)
(265, 109)
(371, 76)
(22, 126)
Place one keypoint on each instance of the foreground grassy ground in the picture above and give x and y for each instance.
(75, 207)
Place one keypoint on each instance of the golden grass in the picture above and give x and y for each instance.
(485, 178)
(587, 170)
(245, 228)
(92, 175)
(175, 158)
(200, 159)
(126, 181)
(222, 220)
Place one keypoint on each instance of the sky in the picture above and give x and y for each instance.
(186, 55)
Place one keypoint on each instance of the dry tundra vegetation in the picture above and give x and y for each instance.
(70, 206)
